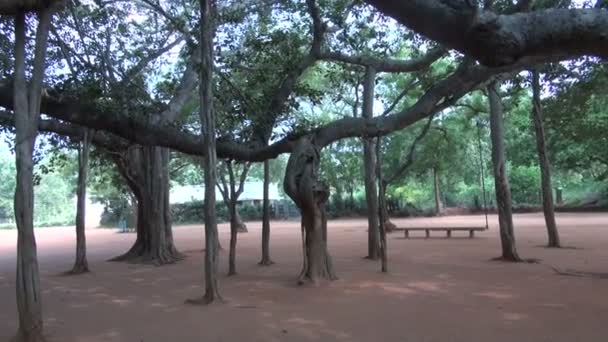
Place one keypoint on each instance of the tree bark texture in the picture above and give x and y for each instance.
(81, 265)
(310, 195)
(501, 182)
(544, 163)
(382, 212)
(207, 116)
(266, 260)
(241, 227)
(146, 169)
(499, 39)
(369, 161)
(233, 237)
(27, 114)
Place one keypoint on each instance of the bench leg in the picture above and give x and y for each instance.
(428, 233)
(449, 233)
(407, 234)
(471, 234)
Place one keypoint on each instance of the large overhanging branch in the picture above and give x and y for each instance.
(72, 131)
(386, 64)
(442, 95)
(498, 40)
(12, 7)
(144, 132)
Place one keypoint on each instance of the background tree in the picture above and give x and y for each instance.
(501, 181)
(543, 161)
(81, 265)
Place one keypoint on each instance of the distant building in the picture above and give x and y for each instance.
(253, 193)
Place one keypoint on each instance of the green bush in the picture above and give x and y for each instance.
(525, 185)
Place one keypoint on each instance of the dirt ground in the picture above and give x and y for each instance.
(437, 289)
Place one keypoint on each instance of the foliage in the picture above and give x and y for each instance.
(54, 202)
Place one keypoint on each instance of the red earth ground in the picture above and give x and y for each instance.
(437, 289)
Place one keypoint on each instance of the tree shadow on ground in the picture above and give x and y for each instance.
(580, 274)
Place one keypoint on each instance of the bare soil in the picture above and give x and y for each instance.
(438, 289)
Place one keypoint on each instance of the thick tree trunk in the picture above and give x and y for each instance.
(146, 170)
(437, 192)
(369, 160)
(81, 264)
(27, 113)
(310, 195)
(266, 218)
(543, 161)
(501, 182)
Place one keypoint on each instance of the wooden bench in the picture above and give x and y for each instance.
(448, 230)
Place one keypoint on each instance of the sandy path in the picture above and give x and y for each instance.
(437, 289)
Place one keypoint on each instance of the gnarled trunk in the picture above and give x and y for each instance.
(81, 264)
(146, 170)
(310, 195)
(501, 182)
(266, 218)
(543, 162)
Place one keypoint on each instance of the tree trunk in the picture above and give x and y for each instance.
(81, 264)
(27, 113)
(146, 170)
(384, 216)
(234, 229)
(241, 227)
(501, 182)
(369, 159)
(310, 195)
(545, 165)
(207, 116)
(437, 192)
(381, 207)
(266, 218)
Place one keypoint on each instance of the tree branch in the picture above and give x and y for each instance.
(498, 40)
(409, 159)
(386, 64)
